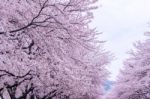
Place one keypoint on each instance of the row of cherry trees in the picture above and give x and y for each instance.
(48, 51)
(134, 80)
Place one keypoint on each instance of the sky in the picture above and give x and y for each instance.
(123, 22)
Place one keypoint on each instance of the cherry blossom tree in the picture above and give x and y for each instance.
(134, 80)
(48, 51)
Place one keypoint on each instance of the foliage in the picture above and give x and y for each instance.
(48, 51)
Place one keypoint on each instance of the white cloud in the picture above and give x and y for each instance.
(122, 23)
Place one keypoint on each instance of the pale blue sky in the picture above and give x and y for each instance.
(122, 22)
